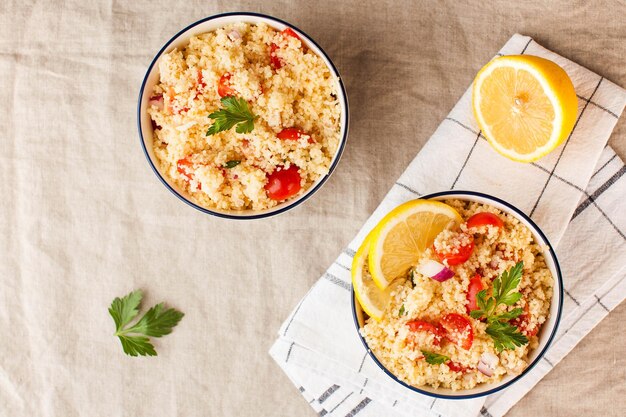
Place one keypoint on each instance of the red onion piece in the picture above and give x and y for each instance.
(234, 35)
(444, 275)
(490, 359)
(435, 270)
(156, 101)
(488, 363)
(485, 369)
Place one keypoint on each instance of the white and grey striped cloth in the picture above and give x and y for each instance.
(574, 194)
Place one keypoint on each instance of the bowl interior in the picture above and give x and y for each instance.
(182, 39)
(547, 331)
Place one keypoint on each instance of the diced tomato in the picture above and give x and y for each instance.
(185, 167)
(423, 326)
(169, 104)
(201, 82)
(474, 287)
(290, 32)
(283, 183)
(522, 322)
(462, 255)
(275, 61)
(223, 86)
(441, 330)
(457, 367)
(458, 330)
(483, 219)
(291, 133)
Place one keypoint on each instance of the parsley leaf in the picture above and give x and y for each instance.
(235, 112)
(434, 358)
(125, 309)
(402, 311)
(505, 336)
(231, 164)
(505, 285)
(156, 322)
(486, 306)
(510, 315)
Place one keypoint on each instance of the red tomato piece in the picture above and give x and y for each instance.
(457, 367)
(483, 219)
(223, 86)
(169, 103)
(290, 32)
(462, 255)
(522, 322)
(275, 61)
(474, 287)
(201, 82)
(185, 168)
(283, 183)
(458, 330)
(422, 326)
(291, 133)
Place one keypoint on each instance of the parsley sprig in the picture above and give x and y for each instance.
(156, 322)
(235, 112)
(434, 358)
(231, 164)
(504, 334)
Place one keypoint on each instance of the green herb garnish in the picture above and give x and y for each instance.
(235, 112)
(504, 334)
(434, 358)
(402, 311)
(231, 164)
(156, 322)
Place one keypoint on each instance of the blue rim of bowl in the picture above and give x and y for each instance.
(543, 351)
(296, 203)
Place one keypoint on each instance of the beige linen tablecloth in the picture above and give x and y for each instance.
(83, 218)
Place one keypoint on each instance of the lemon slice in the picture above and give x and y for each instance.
(373, 300)
(525, 106)
(400, 238)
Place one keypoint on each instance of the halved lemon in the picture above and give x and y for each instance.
(525, 105)
(373, 300)
(400, 238)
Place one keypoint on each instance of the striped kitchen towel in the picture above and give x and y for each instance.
(574, 194)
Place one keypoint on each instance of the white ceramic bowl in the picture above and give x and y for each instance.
(152, 78)
(547, 332)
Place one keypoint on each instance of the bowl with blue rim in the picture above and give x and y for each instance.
(180, 40)
(545, 335)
